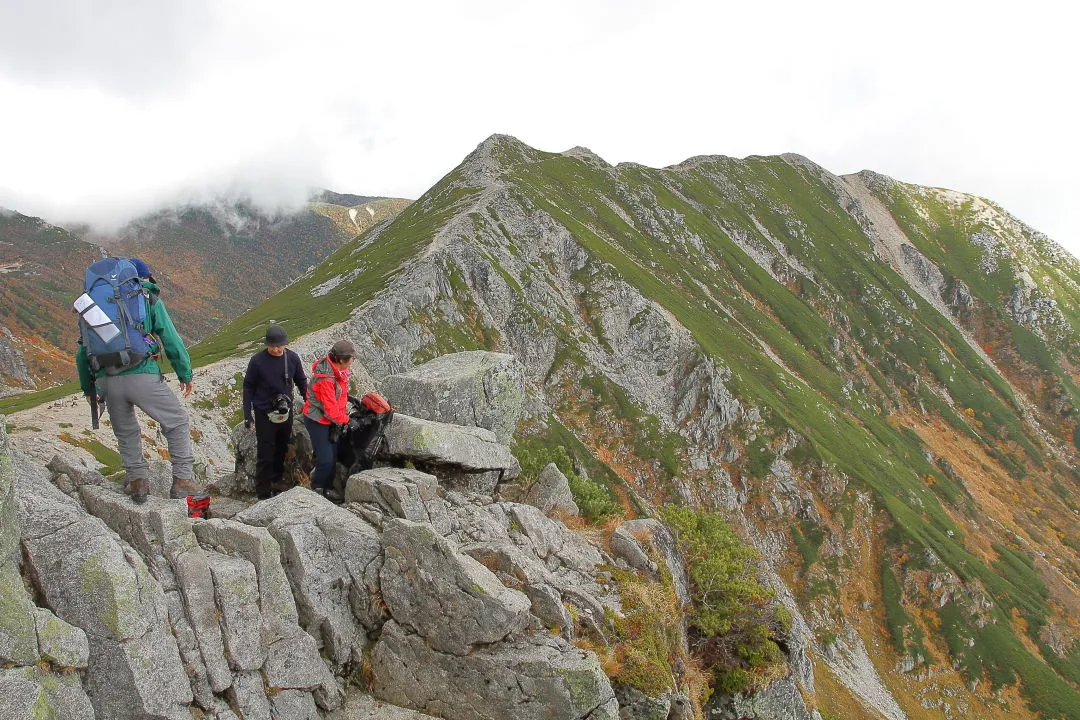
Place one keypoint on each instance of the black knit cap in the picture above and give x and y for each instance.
(276, 336)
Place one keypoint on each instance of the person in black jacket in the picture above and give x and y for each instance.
(268, 401)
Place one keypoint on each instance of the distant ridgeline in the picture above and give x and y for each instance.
(877, 380)
(213, 261)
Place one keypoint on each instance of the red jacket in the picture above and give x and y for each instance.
(328, 394)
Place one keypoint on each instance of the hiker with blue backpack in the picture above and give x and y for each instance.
(124, 327)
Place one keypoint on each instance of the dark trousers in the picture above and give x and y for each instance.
(325, 454)
(272, 441)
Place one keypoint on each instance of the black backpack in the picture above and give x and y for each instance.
(358, 448)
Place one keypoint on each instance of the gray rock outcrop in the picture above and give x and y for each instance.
(781, 699)
(332, 559)
(27, 692)
(529, 678)
(402, 493)
(477, 388)
(636, 540)
(550, 492)
(13, 367)
(472, 456)
(40, 654)
(95, 582)
(422, 577)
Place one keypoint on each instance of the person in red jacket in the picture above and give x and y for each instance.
(326, 406)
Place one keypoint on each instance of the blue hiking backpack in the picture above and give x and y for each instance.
(113, 285)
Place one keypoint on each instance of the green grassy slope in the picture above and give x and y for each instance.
(822, 337)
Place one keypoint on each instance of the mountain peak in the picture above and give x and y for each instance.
(502, 148)
(495, 155)
(588, 156)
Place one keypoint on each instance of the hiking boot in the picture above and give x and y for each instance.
(330, 494)
(280, 487)
(137, 490)
(182, 488)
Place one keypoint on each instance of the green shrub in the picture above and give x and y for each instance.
(734, 622)
(808, 537)
(595, 501)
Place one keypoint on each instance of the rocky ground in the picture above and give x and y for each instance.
(422, 596)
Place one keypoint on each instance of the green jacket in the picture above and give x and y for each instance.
(158, 323)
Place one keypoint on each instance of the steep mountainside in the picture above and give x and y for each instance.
(877, 380)
(212, 261)
(37, 264)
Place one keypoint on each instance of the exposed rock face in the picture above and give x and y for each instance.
(537, 677)
(472, 455)
(268, 614)
(26, 692)
(634, 539)
(847, 657)
(468, 388)
(1031, 308)
(94, 582)
(422, 575)
(395, 492)
(13, 367)
(332, 559)
(40, 653)
(550, 492)
(780, 699)
(635, 705)
(928, 275)
(364, 707)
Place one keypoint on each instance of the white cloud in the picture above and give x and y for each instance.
(112, 111)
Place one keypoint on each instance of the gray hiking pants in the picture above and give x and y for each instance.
(148, 392)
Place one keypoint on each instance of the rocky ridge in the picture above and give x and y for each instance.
(563, 264)
(756, 337)
(416, 598)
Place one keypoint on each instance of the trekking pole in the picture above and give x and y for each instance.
(93, 405)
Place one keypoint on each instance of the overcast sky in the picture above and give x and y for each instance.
(111, 107)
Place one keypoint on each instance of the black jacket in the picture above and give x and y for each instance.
(267, 376)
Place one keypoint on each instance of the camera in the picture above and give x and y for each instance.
(281, 404)
(280, 407)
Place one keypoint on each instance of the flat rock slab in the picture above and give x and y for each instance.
(471, 449)
(534, 678)
(358, 706)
